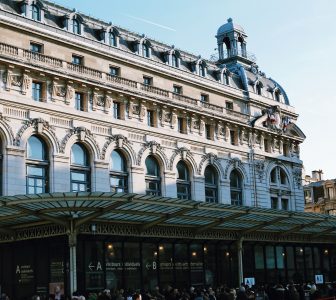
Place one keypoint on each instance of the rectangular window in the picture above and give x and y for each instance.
(79, 181)
(116, 110)
(147, 80)
(181, 125)
(274, 202)
(150, 118)
(114, 71)
(232, 137)
(118, 183)
(229, 105)
(77, 60)
(36, 179)
(204, 98)
(37, 91)
(177, 89)
(266, 145)
(284, 204)
(79, 102)
(208, 132)
(286, 149)
(36, 48)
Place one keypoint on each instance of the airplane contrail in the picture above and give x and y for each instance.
(150, 22)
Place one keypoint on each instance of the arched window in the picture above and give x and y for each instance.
(201, 70)
(236, 188)
(36, 166)
(80, 169)
(183, 181)
(75, 26)
(145, 50)
(211, 184)
(279, 189)
(36, 14)
(153, 180)
(175, 60)
(112, 39)
(118, 172)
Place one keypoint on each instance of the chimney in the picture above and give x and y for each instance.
(321, 175)
(315, 175)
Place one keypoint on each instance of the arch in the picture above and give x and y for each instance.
(185, 155)
(235, 163)
(6, 132)
(211, 184)
(83, 135)
(81, 153)
(224, 75)
(39, 127)
(38, 144)
(273, 165)
(210, 159)
(121, 143)
(155, 149)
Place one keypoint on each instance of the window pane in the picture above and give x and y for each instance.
(78, 155)
(117, 162)
(35, 148)
(182, 171)
(152, 167)
(210, 176)
(35, 171)
(78, 176)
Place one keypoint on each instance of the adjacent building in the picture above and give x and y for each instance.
(320, 194)
(126, 162)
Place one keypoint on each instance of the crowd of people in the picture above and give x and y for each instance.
(291, 291)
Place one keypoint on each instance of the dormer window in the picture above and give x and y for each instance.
(33, 9)
(145, 50)
(75, 27)
(36, 13)
(74, 23)
(112, 39)
(175, 61)
(201, 71)
(223, 75)
(277, 95)
(259, 88)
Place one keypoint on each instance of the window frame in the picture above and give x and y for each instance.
(76, 29)
(236, 189)
(79, 102)
(35, 13)
(116, 71)
(77, 60)
(184, 183)
(151, 179)
(84, 169)
(37, 92)
(119, 174)
(212, 187)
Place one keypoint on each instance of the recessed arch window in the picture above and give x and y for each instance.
(211, 184)
(153, 179)
(118, 172)
(279, 189)
(175, 60)
(201, 70)
(36, 12)
(112, 39)
(75, 26)
(36, 166)
(145, 50)
(80, 169)
(183, 181)
(259, 88)
(236, 188)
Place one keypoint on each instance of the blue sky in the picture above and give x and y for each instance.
(294, 42)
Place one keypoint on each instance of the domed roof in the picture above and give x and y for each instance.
(229, 27)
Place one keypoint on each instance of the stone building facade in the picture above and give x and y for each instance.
(67, 78)
(130, 163)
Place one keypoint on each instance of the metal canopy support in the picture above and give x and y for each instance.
(301, 226)
(264, 224)
(73, 258)
(166, 217)
(240, 260)
(220, 221)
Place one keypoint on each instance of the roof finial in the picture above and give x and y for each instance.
(229, 20)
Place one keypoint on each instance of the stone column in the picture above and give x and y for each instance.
(240, 260)
(101, 177)
(169, 185)
(198, 189)
(72, 238)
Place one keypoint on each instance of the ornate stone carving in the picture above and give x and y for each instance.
(5, 123)
(297, 176)
(213, 159)
(184, 154)
(120, 142)
(107, 103)
(82, 135)
(39, 126)
(22, 81)
(259, 169)
(69, 93)
(154, 148)
(237, 164)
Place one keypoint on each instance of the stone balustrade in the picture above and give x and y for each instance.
(38, 58)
